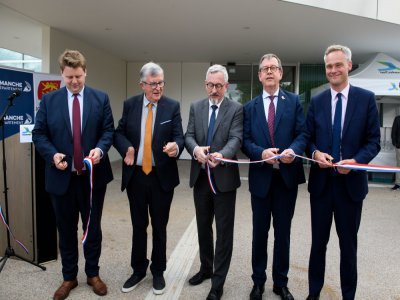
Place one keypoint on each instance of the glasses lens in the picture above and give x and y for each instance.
(217, 86)
(271, 68)
(156, 84)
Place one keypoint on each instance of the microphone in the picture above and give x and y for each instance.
(16, 93)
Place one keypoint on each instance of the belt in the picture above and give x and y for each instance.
(78, 173)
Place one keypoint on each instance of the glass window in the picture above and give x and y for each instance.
(15, 59)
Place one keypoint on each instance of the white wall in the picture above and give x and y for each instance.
(184, 83)
(104, 71)
(383, 10)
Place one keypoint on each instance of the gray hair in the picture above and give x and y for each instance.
(333, 48)
(268, 57)
(217, 68)
(151, 69)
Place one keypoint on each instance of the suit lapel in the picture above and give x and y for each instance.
(204, 117)
(159, 114)
(222, 111)
(87, 106)
(328, 112)
(280, 103)
(65, 110)
(261, 117)
(351, 105)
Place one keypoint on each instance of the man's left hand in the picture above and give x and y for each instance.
(287, 156)
(345, 171)
(171, 149)
(212, 162)
(95, 155)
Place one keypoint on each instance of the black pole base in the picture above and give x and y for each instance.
(10, 252)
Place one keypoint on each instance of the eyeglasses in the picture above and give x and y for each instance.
(217, 86)
(154, 85)
(271, 68)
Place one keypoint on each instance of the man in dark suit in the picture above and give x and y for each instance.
(149, 137)
(343, 127)
(74, 122)
(396, 143)
(214, 130)
(273, 123)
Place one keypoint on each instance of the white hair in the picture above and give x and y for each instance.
(217, 68)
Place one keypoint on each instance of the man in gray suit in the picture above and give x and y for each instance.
(214, 130)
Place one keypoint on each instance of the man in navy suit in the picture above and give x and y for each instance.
(149, 138)
(343, 127)
(74, 122)
(273, 124)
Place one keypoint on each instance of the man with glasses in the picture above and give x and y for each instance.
(149, 138)
(273, 124)
(214, 130)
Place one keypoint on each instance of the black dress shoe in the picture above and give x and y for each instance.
(313, 297)
(199, 278)
(283, 292)
(395, 187)
(215, 294)
(256, 292)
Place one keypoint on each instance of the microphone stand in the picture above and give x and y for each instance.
(9, 250)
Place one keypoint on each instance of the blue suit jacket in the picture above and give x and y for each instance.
(360, 138)
(167, 128)
(53, 134)
(289, 132)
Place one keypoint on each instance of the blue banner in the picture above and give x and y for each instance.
(22, 111)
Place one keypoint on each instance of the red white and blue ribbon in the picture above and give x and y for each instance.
(351, 166)
(9, 230)
(89, 165)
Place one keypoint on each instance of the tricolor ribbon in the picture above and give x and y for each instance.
(351, 166)
(9, 230)
(89, 165)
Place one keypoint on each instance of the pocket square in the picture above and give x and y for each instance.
(162, 123)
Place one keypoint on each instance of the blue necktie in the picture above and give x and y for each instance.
(211, 125)
(337, 129)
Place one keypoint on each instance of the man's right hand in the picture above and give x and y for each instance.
(324, 159)
(201, 153)
(59, 161)
(130, 156)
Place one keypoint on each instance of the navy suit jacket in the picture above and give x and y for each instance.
(53, 134)
(360, 138)
(167, 128)
(289, 132)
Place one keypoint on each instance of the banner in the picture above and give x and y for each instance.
(22, 111)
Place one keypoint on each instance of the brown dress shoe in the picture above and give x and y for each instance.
(99, 287)
(64, 289)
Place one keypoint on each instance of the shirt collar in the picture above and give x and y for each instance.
(211, 104)
(146, 101)
(344, 92)
(266, 95)
(70, 94)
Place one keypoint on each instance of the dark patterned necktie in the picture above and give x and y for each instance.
(271, 119)
(211, 125)
(337, 129)
(76, 133)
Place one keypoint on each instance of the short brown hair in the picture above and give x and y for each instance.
(73, 59)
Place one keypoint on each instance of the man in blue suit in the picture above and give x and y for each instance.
(149, 138)
(74, 122)
(343, 127)
(273, 123)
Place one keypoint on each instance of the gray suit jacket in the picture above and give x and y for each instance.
(227, 140)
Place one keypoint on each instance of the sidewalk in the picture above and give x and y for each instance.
(378, 255)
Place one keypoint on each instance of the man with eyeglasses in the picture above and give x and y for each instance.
(149, 138)
(214, 131)
(273, 125)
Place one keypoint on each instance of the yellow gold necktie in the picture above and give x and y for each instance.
(147, 155)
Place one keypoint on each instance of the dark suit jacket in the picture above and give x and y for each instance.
(227, 139)
(360, 138)
(396, 132)
(52, 134)
(167, 128)
(289, 132)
